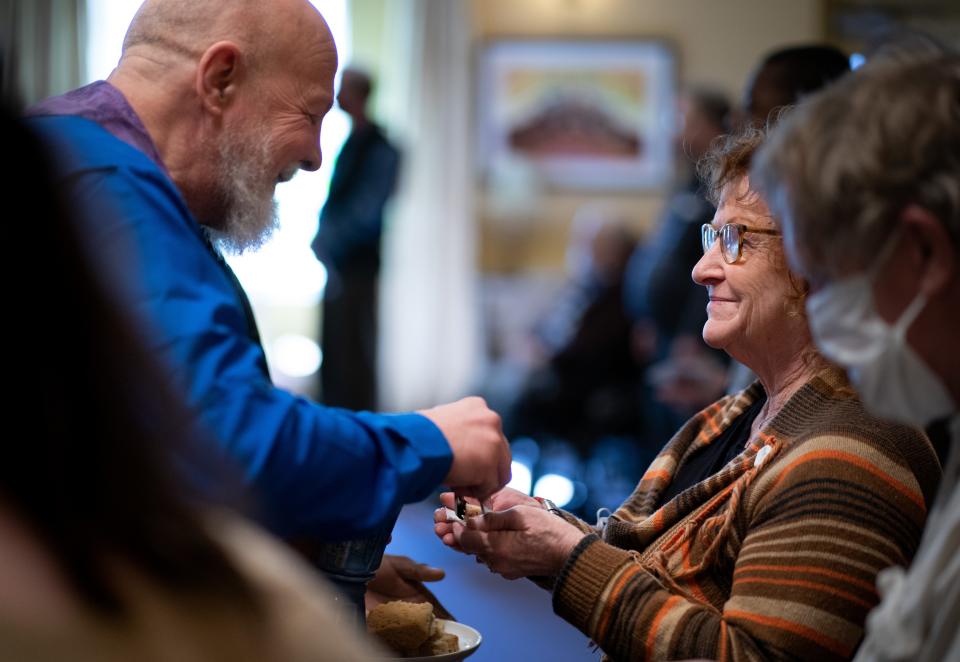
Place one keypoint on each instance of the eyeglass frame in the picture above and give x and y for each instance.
(742, 229)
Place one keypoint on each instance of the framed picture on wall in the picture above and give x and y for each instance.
(580, 114)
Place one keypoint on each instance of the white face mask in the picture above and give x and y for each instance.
(893, 381)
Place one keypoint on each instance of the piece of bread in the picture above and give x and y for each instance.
(402, 626)
(439, 643)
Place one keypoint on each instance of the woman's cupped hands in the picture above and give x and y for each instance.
(515, 538)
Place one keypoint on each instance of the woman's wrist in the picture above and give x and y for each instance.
(566, 543)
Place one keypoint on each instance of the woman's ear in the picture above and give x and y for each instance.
(218, 74)
(938, 251)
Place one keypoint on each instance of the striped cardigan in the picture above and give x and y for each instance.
(772, 558)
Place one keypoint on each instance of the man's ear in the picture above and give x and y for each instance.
(937, 249)
(218, 73)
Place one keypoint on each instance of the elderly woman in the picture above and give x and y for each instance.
(884, 253)
(758, 531)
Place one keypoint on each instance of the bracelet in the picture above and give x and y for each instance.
(547, 504)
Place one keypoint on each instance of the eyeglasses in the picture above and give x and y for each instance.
(731, 239)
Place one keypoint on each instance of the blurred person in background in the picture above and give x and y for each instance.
(866, 176)
(107, 552)
(785, 76)
(669, 309)
(585, 385)
(759, 530)
(348, 244)
(659, 290)
(210, 107)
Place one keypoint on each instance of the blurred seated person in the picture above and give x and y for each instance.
(883, 251)
(584, 386)
(107, 552)
(785, 76)
(667, 307)
(659, 292)
(759, 530)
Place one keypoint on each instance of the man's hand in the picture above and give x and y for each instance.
(502, 500)
(400, 578)
(523, 541)
(481, 455)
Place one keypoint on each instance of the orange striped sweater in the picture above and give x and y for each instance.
(757, 563)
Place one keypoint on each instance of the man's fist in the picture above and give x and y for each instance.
(481, 455)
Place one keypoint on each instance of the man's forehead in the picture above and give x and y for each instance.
(324, 69)
(312, 70)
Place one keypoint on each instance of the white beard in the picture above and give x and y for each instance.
(243, 183)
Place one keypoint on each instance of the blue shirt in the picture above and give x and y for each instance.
(319, 471)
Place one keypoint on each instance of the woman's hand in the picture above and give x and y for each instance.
(523, 541)
(502, 500)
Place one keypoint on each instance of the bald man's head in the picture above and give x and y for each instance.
(186, 28)
(233, 92)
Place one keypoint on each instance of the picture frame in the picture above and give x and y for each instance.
(582, 114)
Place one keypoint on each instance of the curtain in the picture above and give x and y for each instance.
(429, 337)
(43, 45)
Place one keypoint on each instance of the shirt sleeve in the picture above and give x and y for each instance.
(318, 471)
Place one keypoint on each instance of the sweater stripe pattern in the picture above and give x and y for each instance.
(772, 558)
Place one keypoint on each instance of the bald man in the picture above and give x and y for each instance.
(213, 103)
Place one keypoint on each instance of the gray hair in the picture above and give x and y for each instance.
(841, 167)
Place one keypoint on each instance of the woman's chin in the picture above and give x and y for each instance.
(715, 335)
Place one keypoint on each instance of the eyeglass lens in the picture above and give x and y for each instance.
(729, 241)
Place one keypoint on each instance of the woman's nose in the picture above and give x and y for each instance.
(709, 268)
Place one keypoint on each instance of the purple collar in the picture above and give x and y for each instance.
(104, 104)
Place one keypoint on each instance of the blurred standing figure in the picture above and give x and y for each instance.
(348, 244)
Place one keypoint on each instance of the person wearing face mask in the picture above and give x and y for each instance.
(759, 530)
(866, 177)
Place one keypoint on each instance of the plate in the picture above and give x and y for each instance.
(469, 638)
